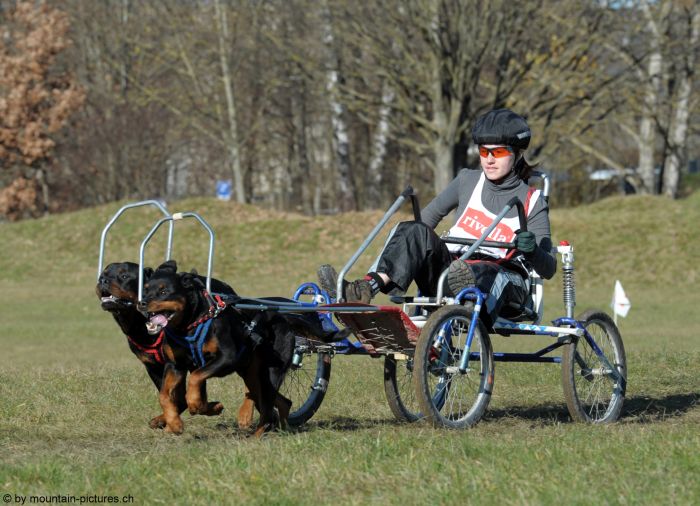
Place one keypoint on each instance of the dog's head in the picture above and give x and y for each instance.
(169, 298)
(118, 285)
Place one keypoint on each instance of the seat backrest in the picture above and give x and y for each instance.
(537, 292)
(545, 182)
(536, 282)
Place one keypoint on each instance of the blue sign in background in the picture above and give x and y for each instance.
(224, 188)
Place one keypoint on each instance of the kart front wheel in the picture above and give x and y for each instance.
(399, 388)
(594, 371)
(306, 381)
(447, 395)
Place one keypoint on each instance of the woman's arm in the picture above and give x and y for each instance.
(441, 205)
(542, 259)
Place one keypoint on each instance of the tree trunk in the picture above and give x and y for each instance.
(678, 135)
(379, 143)
(234, 158)
(300, 114)
(446, 122)
(446, 108)
(43, 184)
(647, 125)
(341, 140)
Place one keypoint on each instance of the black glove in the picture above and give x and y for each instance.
(525, 242)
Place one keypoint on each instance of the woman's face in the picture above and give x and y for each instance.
(496, 167)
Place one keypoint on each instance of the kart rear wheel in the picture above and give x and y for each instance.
(306, 381)
(399, 387)
(447, 396)
(594, 387)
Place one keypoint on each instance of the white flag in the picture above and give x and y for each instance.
(620, 303)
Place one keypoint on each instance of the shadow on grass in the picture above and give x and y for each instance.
(346, 423)
(637, 409)
(343, 424)
(645, 409)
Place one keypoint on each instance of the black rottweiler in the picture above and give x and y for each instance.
(117, 289)
(215, 340)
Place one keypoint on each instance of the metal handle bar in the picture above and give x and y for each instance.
(515, 201)
(545, 183)
(469, 242)
(414, 202)
(171, 219)
(407, 193)
(117, 215)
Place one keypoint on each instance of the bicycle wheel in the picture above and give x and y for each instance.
(399, 388)
(594, 387)
(307, 380)
(447, 396)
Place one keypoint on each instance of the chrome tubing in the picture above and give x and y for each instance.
(545, 182)
(392, 210)
(171, 219)
(116, 216)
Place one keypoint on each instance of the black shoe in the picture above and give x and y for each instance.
(354, 291)
(459, 277)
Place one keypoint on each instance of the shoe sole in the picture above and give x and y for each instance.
(459, 276)
(328, 278)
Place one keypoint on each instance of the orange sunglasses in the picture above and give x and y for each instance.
(499, 152)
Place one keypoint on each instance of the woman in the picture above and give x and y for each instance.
(414, 251)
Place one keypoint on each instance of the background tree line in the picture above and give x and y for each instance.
(330, 105)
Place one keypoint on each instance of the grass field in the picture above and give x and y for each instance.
(74, 403)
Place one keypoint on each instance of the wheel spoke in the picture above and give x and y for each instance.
(593, 385)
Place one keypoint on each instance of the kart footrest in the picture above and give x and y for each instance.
(386, 330)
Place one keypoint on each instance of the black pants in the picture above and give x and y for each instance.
(414, 252)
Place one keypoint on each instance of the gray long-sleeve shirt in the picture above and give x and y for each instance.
(494, 197)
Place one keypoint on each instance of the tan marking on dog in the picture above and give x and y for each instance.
(211, 345)
(157, 422)
(120, 293)
(160, 306)
(168, 401)
(168, 352)
(245, 412)
(196, 397)
(146, 359)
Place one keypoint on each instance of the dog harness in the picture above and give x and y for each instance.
(195, 342)
(217, 305)
(154, 350)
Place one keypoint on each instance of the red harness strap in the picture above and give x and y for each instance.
(213, 311)
(154, 349)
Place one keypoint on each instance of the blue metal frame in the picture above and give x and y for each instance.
(344, 347)
(476, 295)
(348, 347)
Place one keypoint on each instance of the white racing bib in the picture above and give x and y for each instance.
(476, 218)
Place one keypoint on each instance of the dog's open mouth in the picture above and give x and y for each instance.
(157, 322)
(112, 302)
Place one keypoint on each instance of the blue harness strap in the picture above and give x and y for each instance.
(194, 341)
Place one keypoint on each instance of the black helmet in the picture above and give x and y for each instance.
(502, 126)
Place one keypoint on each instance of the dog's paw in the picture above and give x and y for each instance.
(245, 414)
(214, 409)
(262, 430)
(176, 427)
(157, 422)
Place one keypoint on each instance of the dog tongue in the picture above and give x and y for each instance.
(156, 323)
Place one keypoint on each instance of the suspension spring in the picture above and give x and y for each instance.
(569, 288)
